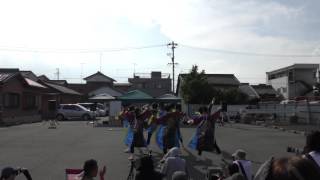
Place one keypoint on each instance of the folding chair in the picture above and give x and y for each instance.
(73, 174)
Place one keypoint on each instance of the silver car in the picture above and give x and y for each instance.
(71, 111)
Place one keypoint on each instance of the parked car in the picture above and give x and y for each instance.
(102, 110)
(70, 111)
(98, 108)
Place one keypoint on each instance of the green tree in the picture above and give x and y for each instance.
(195, 87)
(234, 96)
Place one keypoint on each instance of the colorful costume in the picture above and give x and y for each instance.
(204, 138)
(168, 135)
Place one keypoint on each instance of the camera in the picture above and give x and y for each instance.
(214, 173)
(294, 150)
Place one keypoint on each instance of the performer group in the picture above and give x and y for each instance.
(162, 121)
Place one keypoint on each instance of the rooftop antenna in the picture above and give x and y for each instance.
(81, 75)
(101, 61)
(134, 69)
(57, 73)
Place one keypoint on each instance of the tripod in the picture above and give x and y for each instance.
(132, 171)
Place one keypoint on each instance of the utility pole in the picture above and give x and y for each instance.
(100, 61)
(57, 73)
(81, 75)
(134, 69)
(173, 45)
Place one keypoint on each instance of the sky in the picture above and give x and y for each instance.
(76, 35)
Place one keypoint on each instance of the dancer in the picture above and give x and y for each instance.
(128, 118)
(168, 134)
(204, 138)
(136, 139)
(152, 122)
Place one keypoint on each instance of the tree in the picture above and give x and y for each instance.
(195, 87)
(234, 96)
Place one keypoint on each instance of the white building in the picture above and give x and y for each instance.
(293, 81)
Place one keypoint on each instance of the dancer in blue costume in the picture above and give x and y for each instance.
(136, 138)
(204, 138)
(152, 122)
(168, 135)
(127, 117)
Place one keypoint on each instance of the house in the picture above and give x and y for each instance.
(295, 80)
(267, 92)
(219, 81)
(96, 84)
(154, 84)
(123, 87)
(248, 90)
(20, 97)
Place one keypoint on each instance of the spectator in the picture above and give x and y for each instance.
(146, 170)
(90, 170)
(10, 173)
(312, 148)
(172, 162)
(245, 166)
(179, 175)
(293, 168)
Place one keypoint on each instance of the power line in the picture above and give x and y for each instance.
(222, 51)
(53, 50)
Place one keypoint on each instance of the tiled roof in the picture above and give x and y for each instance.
(99, 74)
(220, 79)
(62, 89)
(6, 74)
(33, 83)
(264, 89)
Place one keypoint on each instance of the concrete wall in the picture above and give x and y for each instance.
(280, 84)
(305, 112)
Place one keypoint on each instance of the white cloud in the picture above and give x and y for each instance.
(251, 26)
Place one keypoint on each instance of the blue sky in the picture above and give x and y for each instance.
(257, 26)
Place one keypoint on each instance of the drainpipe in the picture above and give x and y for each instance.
(308, 113)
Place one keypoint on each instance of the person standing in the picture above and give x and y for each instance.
(168, 134)
(138, 139)
(204, 138)
(152, 122)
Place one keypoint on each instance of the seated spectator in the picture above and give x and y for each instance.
(179, 175)
(233, 173)
(172, 162)
(10, 173)
(293, 168)
(90, 170)
(245, 166)
(146, 170)
(312, 148)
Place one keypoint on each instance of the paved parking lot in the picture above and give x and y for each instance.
(47, 152)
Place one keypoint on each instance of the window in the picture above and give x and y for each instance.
(284, 90)
(11, 100)
(30, 101)
(291, 76)
(67, 107)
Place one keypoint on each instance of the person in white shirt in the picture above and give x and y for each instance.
(312, 148)
(245, 166)
(172, 162)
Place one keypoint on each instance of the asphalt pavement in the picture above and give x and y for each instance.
(48, 152)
